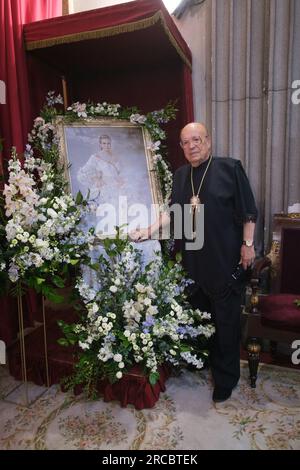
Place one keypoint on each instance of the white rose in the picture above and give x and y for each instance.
(93, 308)
(139, 287)
(39, 243)
(121, 365)
(113, 289)
(119, 375)
(52, 213)
(118, 357)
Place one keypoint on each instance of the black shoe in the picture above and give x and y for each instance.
(221, 394)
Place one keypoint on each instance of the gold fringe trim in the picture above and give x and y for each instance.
(173, 41)
(111, 31)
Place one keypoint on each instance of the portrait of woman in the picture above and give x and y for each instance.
(110, 165)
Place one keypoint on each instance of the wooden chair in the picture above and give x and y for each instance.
(276, 316)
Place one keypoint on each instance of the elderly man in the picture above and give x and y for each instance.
(221, 185)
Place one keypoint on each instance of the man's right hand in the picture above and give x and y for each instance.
(139, 235)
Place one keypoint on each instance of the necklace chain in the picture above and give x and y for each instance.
(201, 182)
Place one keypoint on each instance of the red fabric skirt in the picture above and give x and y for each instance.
(133, 388)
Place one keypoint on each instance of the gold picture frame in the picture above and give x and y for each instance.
(108, 160)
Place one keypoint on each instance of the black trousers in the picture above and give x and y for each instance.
(225, 344)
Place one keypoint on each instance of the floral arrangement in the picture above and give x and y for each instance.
(42, 227)
(42, 234)
(135, 316)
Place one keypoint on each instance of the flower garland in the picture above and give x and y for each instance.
(150, 121)
(42, 219)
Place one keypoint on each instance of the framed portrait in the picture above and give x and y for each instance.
(111, 163)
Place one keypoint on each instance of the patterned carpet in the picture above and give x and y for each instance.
(184, 417)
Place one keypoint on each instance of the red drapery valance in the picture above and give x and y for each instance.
(106, 22)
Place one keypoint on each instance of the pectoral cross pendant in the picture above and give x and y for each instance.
(195, 203)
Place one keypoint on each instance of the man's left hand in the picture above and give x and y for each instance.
(247, 256)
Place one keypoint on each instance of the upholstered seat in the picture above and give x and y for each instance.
(276, 316)
(280, 311)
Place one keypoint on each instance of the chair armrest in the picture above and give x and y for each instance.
(259, 265)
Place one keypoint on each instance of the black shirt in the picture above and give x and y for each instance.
(228, 203)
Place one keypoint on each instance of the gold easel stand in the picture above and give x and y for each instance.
(22, 345)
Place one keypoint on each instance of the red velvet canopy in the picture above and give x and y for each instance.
(132, 54)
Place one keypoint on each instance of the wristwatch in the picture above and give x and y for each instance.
(248, 243)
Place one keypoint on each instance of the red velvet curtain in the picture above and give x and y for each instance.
(15, 112)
